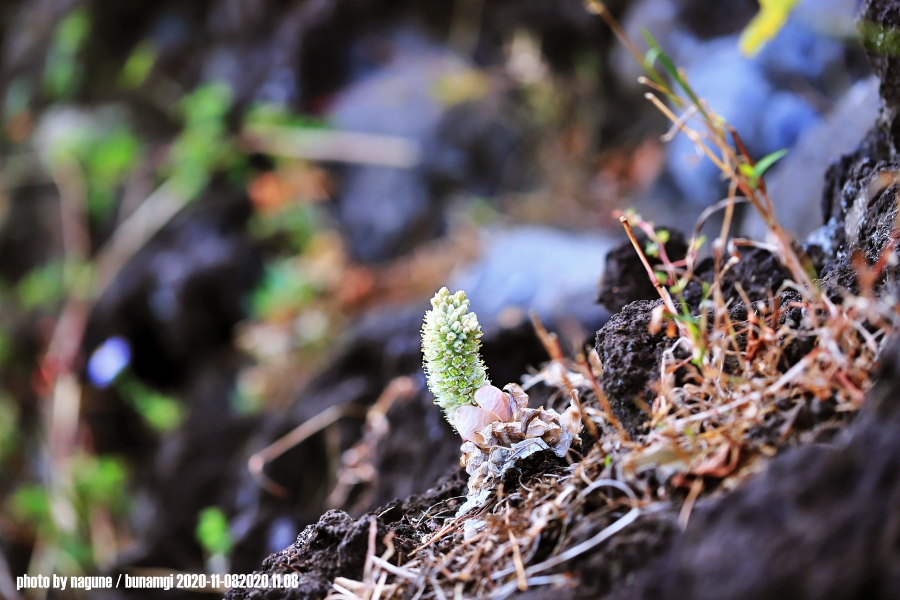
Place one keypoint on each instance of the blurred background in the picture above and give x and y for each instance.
(221, 219)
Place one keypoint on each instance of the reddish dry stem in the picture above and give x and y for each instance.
(551, 344)
(659, 288)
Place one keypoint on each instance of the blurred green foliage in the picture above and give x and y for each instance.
(138, 66)
(285, 289)
(161, 412)
(481, 211)
(6, 347)
(276, 114)
(18, 94)
(107, 163)
(29, 503)
(203, 146)
(9, 426)
(41, 287)
(212, 531)
(106, 154)
(97, 150)
(99, 483)
(63, 74)
(45, 287)
(293, 226)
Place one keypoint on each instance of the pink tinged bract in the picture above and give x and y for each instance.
(469, 420)
(493, 399)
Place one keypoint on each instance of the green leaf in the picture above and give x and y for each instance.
(672, 70)
(109, 160)
(209, 102)
(72, 31)
(30, 503)
(295, 224)
(697, 243)
(767, 161)
(42, 287)
(100, 480)
(212, 531)
(161, 412)
(268, 113)
(203, 147)
(9, 426)
(650, 57)
(284, 291)
(138, 66)
(649, 65)
(62, 72)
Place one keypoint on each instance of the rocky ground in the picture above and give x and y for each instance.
(819, 522)
(540, 144)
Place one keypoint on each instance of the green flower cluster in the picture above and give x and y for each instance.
(451, 337)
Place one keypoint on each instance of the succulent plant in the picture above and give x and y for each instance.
(451, 338)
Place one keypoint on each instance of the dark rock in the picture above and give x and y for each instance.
(336, 546)
(759, 273)
(859, 199)
(878, 19)
(630, 356)
(625, 280)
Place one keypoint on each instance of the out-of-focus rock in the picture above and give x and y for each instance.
(180, 296)
(736, 88)
(535, 268)
(771, 99)
(403, 88)
(797, 183)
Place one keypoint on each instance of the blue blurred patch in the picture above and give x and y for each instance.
(108, 360)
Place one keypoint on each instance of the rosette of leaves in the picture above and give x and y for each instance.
(451, 338)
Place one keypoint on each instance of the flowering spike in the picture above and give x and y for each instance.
(451, 338)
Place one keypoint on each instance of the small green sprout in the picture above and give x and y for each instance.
(212, 531)
(451, 338)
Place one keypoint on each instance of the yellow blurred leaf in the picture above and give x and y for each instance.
(765, 25)
(460, 87)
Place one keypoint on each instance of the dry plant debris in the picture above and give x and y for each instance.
(738, 381)
(722, 408)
